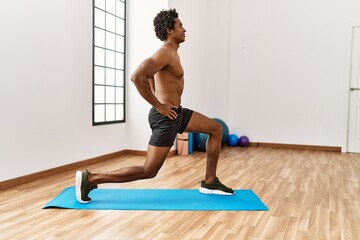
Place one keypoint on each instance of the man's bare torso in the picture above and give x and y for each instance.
(169, 81)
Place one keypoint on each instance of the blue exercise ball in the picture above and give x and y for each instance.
(243, 141)
(225, 131)
(200, 141)
(232, 140)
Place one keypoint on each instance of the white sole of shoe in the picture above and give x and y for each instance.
(216, 192)
(78, 181)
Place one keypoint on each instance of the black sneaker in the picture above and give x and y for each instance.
(83, 186)
(215, 188)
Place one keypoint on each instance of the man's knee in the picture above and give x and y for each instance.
(150, 173)
(217, 129)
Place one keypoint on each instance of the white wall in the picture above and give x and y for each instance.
(46, 88)
(285, 65)
(274, 71)
(289, 71)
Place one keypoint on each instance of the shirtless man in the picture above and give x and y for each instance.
(160, 81)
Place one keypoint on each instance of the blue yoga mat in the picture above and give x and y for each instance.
(159, 199)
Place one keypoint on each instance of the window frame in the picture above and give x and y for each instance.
(112, 101)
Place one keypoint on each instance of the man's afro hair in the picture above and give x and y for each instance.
(164, 19)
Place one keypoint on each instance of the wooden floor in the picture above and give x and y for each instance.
(310, 194)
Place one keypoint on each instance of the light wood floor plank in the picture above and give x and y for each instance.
(311, 195)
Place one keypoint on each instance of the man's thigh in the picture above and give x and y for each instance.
(201, 124)
(155, 157)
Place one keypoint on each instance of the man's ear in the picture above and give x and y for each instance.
(168, 30)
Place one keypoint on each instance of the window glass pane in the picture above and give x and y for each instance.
(99, 113)
(99, 4)
(99, 37)
(119, 60)
(120, 9)
(119, 79)
(110, 95)
(99, 18)
(110, 40)
(99, 75)
(120, 26)
(110, 112)
(110, 22)
(110, 76)
(119, 112)
(119, 95)
(99, 57)
(120, 44)
(110, 6)
(99, 94)
(110, 59)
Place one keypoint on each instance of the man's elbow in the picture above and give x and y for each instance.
(136, 79)
(133, 78)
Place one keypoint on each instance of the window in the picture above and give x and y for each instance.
(109, 18)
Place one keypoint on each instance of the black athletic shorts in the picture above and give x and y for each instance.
(164, 130)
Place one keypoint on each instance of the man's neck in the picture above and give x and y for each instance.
(172, 43)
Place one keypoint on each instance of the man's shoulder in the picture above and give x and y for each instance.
(165, 53)
(166, 49)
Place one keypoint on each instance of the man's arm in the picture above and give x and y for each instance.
(146, 71)
(152, 84)
(140, 78)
